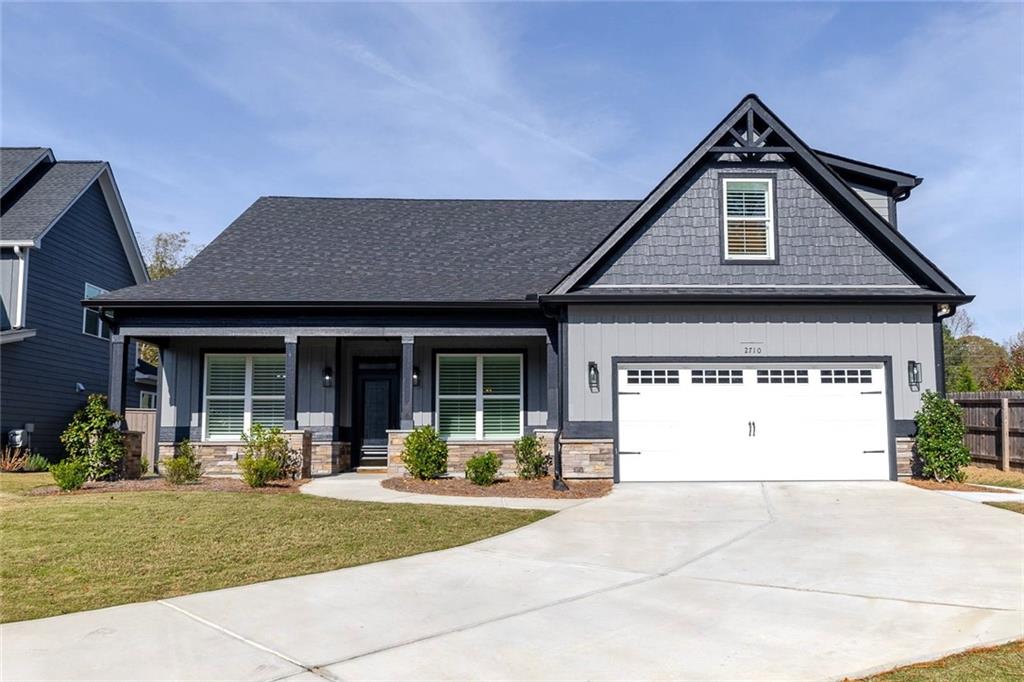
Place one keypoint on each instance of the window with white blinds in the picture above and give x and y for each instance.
(242, 390)
(479, 396)
(748, 221)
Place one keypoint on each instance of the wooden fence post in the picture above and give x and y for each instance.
(1004, 433)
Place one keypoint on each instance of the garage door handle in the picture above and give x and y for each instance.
(871, 393)
(873, 452)
(629, 452)
(629, 392)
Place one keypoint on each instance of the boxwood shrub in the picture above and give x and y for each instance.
(483, 469)
(425, 454)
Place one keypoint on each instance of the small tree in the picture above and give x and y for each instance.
(940, 438)
(262, 442)
(93, 439)
(425, 454)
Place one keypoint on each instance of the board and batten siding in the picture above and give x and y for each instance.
(599, 333)
(39, 377)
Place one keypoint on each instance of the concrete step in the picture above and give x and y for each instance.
(371, 469)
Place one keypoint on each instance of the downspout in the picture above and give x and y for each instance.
(558, 483)
(942, 311)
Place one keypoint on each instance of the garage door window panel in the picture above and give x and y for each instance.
(846, 376)
(716, 376)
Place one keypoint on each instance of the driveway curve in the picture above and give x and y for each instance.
(656, 581)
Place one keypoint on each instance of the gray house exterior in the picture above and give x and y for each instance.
(64, 234)
(757, 316)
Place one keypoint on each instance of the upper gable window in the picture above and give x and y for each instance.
(749, 216)
(92, 322)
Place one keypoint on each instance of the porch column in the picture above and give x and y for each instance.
(291, 365)
(554, 385)
(407, 360)
(117, 378)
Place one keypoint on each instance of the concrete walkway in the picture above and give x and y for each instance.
(367, 488)
(657, 581)
(1007, 494)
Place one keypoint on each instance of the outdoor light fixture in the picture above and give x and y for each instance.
(914, 375)
(415, 375)
(328, 377)
(593, 377)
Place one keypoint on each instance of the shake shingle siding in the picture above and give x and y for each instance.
(37, 382)
(815, 244)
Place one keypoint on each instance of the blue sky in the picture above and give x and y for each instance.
(201, 108)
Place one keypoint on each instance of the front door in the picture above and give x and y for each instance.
(375, 409)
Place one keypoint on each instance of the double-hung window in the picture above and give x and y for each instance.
(749, 218)
(242, 390)
(480, 396)
(92, 323)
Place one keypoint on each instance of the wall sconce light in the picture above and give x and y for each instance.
(415, 375)
(914, 375)
(328, 379)
(593, 377)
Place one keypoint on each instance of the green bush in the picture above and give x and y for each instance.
(483, 469)
(36, 462)
(183, 468)
(531, 462)
(940, 438)
(93, 438)
(258, 471)
(271, 443)
(425, 454)
(71, 474)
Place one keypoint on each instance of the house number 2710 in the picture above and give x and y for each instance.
(752, 350)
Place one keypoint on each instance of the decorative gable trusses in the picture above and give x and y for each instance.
(751, 132)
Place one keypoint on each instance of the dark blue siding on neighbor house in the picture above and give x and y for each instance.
(39, 374)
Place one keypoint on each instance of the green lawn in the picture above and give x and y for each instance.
(1012, 506)
(986, 476)
(994, 664)
(68, 553)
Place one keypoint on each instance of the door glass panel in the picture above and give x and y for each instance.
(376, 411)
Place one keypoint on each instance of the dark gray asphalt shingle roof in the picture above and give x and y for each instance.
(14, 161)
(389, 250)
(33, 212)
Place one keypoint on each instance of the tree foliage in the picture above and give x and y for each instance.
(977, 363)
(166, 253)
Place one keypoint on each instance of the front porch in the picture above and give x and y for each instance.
(347, 397)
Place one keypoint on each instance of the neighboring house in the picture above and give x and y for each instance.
(64, 236)
(756, 316)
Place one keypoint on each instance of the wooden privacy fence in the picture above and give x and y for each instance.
(995, 426)
(142, 420)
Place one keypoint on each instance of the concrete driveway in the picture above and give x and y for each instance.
(657, 581)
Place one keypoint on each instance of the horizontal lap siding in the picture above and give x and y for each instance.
(39, 374)
(597, 333)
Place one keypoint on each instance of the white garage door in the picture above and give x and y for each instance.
(782, 422)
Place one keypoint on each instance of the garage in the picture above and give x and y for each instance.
(752, 422)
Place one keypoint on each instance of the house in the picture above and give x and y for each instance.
(64, 236)
(756, 316)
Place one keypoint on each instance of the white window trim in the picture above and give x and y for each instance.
(479, 396)
(247, 399)
(152, 394)
(86, 311)
(21, 295)
(769, 223)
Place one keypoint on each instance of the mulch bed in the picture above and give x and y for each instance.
(216, 485)
(932, 484)
(512, 487)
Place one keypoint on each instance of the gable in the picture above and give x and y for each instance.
(681, 244)
(753, 134)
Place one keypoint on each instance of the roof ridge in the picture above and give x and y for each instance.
(425, 199)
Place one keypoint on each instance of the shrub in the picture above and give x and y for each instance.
(183, 468)
(940, 438)
(531, 462)
(36, 462)
(258, 471)
(143, 465)
(92, 437)
(425, 454)
(482, 469)
(71, 474)
(271, 443)
(12, 458)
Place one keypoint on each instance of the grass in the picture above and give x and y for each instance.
(66, 553)
(993, 664)
(1012, 506)
(986, 476)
